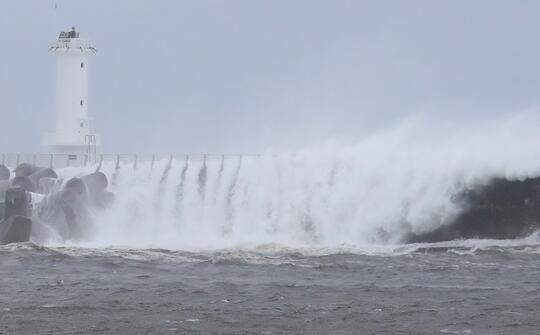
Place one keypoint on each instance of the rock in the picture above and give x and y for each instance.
(501, 209)
(15, 229)
(5, 174)
(66, 209)
(23, 182)
(96, 184)
(47, 185)
(76, 185)
(25, 170)
(40, 174)
(17, 202)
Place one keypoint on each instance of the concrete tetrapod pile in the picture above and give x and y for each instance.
(36, 204)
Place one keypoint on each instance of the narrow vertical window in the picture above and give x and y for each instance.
(82, 65)
(82, 102)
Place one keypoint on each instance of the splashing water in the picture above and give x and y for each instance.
(369, 192)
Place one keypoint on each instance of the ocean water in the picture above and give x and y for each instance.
(422, 289)
(303, 243)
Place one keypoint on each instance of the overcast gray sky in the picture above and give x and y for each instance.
(241, 76)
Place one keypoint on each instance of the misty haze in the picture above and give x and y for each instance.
(269, 167)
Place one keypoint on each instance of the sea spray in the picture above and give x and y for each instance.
(180, 189)
(161, 188)
(202, 180)
(230, 197)
(370, 191)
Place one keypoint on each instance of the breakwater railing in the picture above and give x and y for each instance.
(81, 160)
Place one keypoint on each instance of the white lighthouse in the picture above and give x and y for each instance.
(73, 133)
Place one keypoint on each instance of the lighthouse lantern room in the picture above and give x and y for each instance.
(73, 133)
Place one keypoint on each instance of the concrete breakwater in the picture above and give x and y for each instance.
(267, 199)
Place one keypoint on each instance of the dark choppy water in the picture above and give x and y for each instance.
(439, 290)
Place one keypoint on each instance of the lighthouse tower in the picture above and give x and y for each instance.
(73, 134)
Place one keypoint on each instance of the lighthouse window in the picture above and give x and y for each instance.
(82, 65)
(82, 124)
(82, 102)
